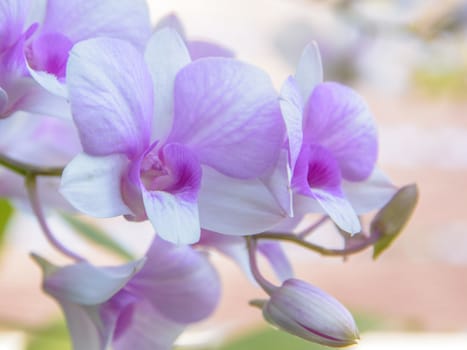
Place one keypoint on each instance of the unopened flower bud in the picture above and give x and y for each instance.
(307, 312)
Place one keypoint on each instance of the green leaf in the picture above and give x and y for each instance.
(392, 218)
(97, 236)
(271, 339)
(53, 336)
(6, 213)
(268, 338)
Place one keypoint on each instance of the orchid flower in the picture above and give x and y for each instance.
(32, 71)
(176, 142)
(42, 142)
(141, 305)
(332, 142)
(308, 312)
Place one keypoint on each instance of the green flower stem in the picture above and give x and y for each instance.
(267, 286)
(31, 187)
(317, 248)
(25, 169)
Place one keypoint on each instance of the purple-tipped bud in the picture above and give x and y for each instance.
(307, 312)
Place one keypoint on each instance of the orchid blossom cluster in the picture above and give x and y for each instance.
(106, 116)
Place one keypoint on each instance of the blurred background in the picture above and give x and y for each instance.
(408, 58)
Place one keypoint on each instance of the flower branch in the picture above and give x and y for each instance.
(31, 187)
(267, 286)
(368, 242)
(25, 169)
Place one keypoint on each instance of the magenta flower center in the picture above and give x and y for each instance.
(154, 174)
(49, 53)
(323, 169)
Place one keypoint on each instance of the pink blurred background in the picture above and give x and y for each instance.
(409, 60)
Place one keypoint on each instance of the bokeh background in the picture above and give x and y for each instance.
(408, 58)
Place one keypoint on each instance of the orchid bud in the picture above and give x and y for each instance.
(307, 312)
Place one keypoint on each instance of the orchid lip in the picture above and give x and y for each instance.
(154, 174)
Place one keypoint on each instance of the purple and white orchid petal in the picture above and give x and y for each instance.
(49, 82)
(24, 94)
(174, 218)
(3, 101)
(83, 19)
(236, 207)
(316, 168)
(12, 60)
(83, 331)
(86, 284)
(46, 58)
(165, 55)
(148, 330)
(276, 257)
(41, 141)
(370, 194)
(29, 96)
(338, 118)
(171, 21)
(170, 183)
(278, 183)
(317, 175)
(191, 296)
(36, 12)
(228, 113)
(339, 210)
(292, 111)
(233, 247)
(201, 49)
(12, 186)
(93, 184)
(183, 172)
(13, 14)
(113, 112)
(303, 205)
(309, 70)
(291, 224)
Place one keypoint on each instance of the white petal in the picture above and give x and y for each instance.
(236, 207)
(92, 185)
(339, 210)
(292, 111)
(32, 97)
(49, 82)
(83, 330)
(86, 284)
(234, 247)
(165, 55)
(370, 194)
(278, 182)
(111, 97)
(309, 70)
(174, 219)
